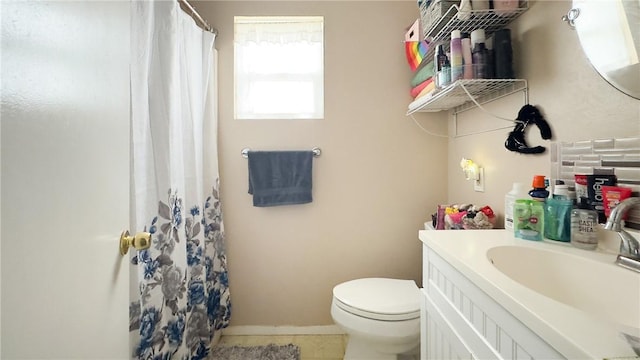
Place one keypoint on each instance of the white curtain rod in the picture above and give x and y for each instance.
(198, 18)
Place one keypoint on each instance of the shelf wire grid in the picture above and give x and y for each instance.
(482, 90)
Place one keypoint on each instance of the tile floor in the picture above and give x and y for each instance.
(312, 347)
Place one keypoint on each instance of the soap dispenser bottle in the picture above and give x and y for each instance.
(584, 226)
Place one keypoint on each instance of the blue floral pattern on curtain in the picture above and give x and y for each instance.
(183, 297)
(196, 298)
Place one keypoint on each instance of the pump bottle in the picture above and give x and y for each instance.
(584, 227)
(518, 191)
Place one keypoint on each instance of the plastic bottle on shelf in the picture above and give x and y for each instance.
(467, 59)
(456, 56)
(503, 54)
(440, 58)
(518, 191)
(446, 74)
(479, 54)
(490, 60)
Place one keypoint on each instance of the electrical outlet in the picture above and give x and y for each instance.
(478, 185)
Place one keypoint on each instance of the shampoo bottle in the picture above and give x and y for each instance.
(467, 59)
(518, 191)
(479, 54)
(584, 227)
(456, 56)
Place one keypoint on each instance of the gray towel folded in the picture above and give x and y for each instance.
(280, 177)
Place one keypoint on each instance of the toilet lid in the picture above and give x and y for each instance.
(379, 298)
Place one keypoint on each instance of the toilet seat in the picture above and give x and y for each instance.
(379, 298)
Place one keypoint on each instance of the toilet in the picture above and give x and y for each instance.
(381, 317)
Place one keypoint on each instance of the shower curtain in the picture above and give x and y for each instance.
(181, 286)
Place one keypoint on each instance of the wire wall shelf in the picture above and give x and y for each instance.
(464, 94)
(457, 95)
(439, 31)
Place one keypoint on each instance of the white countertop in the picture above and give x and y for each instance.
(573, 333)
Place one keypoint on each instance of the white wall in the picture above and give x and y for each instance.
(374, 185)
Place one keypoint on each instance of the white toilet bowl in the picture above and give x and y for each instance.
(381, 317)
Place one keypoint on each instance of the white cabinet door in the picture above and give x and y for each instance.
(441, 340)
(65, 179)
(476, 323)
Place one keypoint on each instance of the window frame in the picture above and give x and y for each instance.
(243, 80)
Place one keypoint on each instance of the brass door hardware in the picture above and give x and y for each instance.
(140, 241)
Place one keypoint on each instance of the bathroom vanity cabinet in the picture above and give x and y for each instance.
(460, 321)
(564, 303)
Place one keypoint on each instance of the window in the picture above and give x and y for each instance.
(279, 67)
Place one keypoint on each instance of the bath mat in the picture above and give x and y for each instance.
(266, 352)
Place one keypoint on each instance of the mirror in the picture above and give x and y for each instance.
(609, 33)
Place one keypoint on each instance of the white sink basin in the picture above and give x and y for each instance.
(599, 288)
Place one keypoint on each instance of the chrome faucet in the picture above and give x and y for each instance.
(629, 256)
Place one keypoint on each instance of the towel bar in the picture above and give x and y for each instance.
(316, 152)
